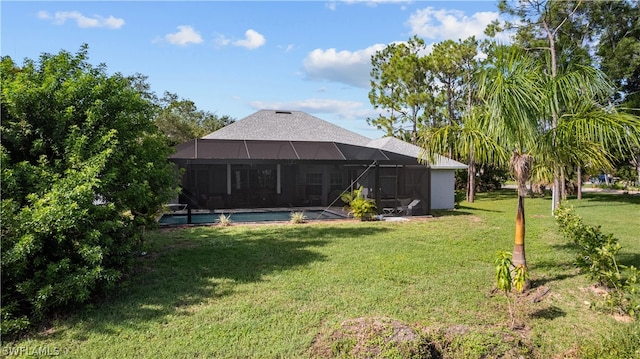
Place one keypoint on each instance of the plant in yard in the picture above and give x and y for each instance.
(510, 88)
(298, 217)
(596, 250)
(361, 208)
(597, 259)
(509, 276)
(517, 96)
(84, 170)
(503, 277)
(224, 220)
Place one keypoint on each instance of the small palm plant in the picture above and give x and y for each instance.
(224, 220)
(361, 208)
(297, 217)
(509, 276)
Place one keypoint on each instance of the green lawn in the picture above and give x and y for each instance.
(272, 291)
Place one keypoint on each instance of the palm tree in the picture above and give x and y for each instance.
(511, 89)
(520, 98)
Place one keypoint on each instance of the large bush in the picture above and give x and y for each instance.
(83, 170)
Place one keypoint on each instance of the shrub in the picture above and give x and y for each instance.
(297, 217)
(224, 220)
(361, 208)
(597, 259)
(84, 170)
(596, 250)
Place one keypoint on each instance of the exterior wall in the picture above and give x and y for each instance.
(442, 189)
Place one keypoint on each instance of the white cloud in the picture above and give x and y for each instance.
(60, 17)
(221, 40)
(186, 35)
(286, 48)
(252, 40)
(351, 115)
(340, 108)
(449, 24)
(352, 68)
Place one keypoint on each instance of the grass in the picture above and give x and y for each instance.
(272, 291)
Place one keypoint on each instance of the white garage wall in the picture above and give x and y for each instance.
(442, 189)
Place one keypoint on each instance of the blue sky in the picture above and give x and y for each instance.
(234, 58)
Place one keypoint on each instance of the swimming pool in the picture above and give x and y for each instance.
(262, 216)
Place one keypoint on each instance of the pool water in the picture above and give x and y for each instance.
(203, 218)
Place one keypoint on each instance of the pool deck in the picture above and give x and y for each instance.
(336, 210)
(340, 211)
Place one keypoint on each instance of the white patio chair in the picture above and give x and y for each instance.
(408, 209)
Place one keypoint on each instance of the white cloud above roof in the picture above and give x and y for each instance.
(186, 35)
(433, 23)
(60, 17)
(252, 40)
(349, 67)
(314, 105)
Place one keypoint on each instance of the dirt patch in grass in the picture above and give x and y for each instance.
(390, 338)
(370, 338)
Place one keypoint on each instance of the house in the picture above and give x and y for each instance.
(290, 158)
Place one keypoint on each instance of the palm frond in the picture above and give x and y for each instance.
(511, 89)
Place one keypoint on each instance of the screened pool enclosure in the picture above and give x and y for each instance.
(291, 159)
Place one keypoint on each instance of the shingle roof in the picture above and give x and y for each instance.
(285, 131)
(395, 145)
(271, 125)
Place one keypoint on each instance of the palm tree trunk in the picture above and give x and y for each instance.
(519, 257)
(471, 180)
(555, 202)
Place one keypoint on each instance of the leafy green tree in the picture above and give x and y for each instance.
(538, 29)
(617, 35)
(401, 85)
(181, 120)
(566, 34)
(455, 66)
(615, 30)
(84, 169)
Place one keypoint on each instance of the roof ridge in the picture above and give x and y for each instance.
(269, 125)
